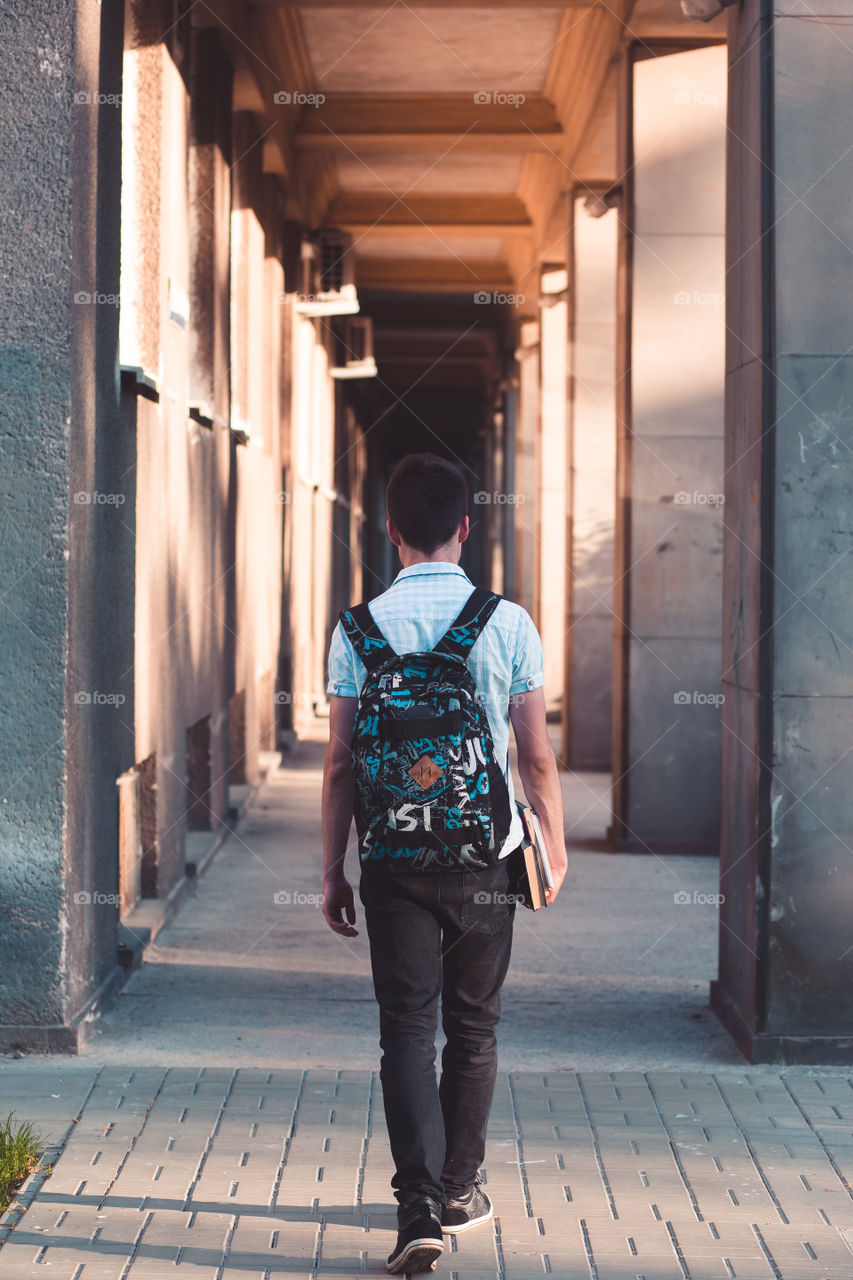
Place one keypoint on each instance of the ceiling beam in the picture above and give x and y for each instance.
(382, 214)
(478, 341)
(420, 358)
(405, 123)
(436, 275)
(595, 161)
(407, 350)
(424, 4)
(442, 374)
(448, 316)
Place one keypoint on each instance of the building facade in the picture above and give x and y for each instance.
(256, 253)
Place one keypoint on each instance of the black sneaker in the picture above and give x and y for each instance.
(466, 1211)
(419, 1241)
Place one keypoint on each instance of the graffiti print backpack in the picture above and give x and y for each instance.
(429, 792)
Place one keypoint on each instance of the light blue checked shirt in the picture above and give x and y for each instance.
(413, 615)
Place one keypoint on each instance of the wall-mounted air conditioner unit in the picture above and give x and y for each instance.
(358, 350)
(327, 287)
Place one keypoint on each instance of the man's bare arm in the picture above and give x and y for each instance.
(338, 902)
(537, 768)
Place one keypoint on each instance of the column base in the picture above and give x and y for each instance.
(760, 1048)
(68, 1038)
(664, 848)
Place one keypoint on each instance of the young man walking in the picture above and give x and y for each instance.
(442, 930)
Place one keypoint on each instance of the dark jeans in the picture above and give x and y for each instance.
(445, 934)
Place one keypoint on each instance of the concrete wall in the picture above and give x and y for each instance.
(669, 561)
(310, 513)
(182, 474)
(526, 567)
(257, 355)
(61, 726)
(208, 573)
(589, 674)
(143, 560)
(786, 963)
(552, 488)
(506, 583)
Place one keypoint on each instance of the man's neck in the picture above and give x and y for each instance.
(409, 556)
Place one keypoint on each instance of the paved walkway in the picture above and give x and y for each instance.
(615, 976)
(211, 1172)
(226, 1120)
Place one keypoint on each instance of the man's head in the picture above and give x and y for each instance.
(427, 502)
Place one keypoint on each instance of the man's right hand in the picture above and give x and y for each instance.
(537, 768)
(558, 874)
(339, 906)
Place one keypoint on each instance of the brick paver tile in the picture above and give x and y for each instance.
(596, 1176)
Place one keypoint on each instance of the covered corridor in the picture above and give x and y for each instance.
(600, 256)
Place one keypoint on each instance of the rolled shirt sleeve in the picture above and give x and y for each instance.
(342, 666)
(529, 660)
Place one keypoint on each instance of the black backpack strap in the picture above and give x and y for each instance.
(365, 637)
(460, 636)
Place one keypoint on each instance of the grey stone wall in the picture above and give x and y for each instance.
(786, 945)
(669, 566)
(61, 729)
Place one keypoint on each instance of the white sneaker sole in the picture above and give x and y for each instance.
(418, 1255)
(466, 1226)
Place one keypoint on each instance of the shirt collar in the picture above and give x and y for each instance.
(431, 566)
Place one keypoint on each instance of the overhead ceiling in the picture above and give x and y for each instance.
(446, 138)
(450, 134)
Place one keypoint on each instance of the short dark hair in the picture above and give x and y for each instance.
(427, 499)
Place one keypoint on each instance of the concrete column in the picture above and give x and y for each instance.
(589, 672)
(63, 617)
(510, 409)
(786, 945)
(181, 466)
(666, 748)
(210, 213)
(526, 472)
(256, 357)
(311, 513)
(209, 180)
(494, 465)
(551, 461)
